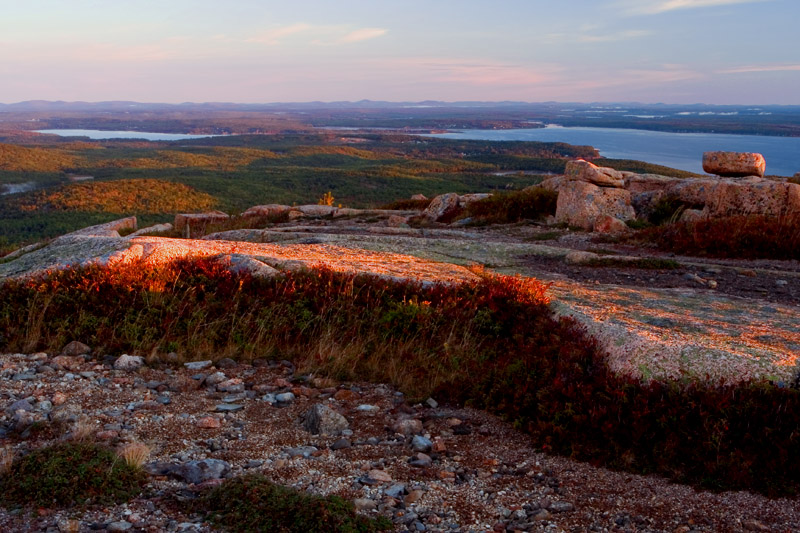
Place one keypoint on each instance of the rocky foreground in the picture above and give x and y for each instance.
(429, 467)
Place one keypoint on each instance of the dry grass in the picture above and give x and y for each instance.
(82, 431)
(135, 454)
(7, 456)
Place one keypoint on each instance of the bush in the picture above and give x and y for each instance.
(70, 473)
(742, 237)
(533, 203)
(253, 503)
(493, 344)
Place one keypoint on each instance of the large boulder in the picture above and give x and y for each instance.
(724, 197)
(642, 183)
(268, 210)
(316, 210)
(756, 196)
(581, 203)
(193, 222)
(442, 207)
(581, 170)
(734, 164)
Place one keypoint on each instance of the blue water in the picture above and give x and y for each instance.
(676, 150)
(146, 135)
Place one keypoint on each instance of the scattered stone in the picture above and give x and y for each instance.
(121, 525)
(560, 507)
(229, 407)
(322, 420)
(365, 504)
(421, 444)
(368, 408)
(195, 472)
(209, 422)
(408, 426)
(396, 491)
(75, 348)
(381, 476)
(226, 363)
(216, 378)
(346, 395)
(198, 365)
(578, 257)
(231, 385)
(302, 451)
(430, 402)
(285, 397)
(609, 225)
(341, 444)
(128, 363)
(421, 460)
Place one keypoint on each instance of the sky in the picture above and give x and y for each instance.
(248, 51)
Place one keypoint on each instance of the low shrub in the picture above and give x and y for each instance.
(533, 203)
(253, 503)
(743, 237)
(70, 473)
(493, 344)
(407, 205)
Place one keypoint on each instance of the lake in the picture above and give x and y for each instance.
(146, 135)
(676, 150)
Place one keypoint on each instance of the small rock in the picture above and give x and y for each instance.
(711, 284)
(341, 444)
(285, 397)
(413, 496)
(367, 408)
(365, 504)
(781, 282)
(128, 362)
(346, 395)
(560, 507)
(198, 365)
(322, 420)
(302, 451)
(229, 407)
(409, 426)
(75, 348)
(216, 378)
(66, 525)
(226, 363)
(380, 476)
(754, 525)
(430, 402)
(121, 525)
(209, 422)
(421, 444)
(420, 460)
(231, 385)
(198, 471)
(396, 491)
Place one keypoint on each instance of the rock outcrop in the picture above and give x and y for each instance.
(189, 223)
(580, 170)
(581, 203)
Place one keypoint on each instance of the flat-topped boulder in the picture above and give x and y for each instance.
(192, 222)
(734, 164)
(268, 210)
(581, 203)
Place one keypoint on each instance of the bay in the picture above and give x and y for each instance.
(676, 150)
(146, 135)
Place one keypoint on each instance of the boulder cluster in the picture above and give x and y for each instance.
(603, 199)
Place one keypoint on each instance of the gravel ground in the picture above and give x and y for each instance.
(476, 472)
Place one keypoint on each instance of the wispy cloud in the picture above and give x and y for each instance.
(363, 34)
(275, 35)
(613, 36)
(760, 68)
(654, 7)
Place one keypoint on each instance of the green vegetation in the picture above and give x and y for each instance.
(145, 196)
(70, 473)
(741, 237)
(492, 344)
(252, 503)
(506, 207)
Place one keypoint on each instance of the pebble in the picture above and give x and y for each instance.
(367, 408)
(285, 397)
(379, 475)
(365, 504)
(341, 444)
(209, 422)
(198, 365)
(122, 525)
(420, 460)
(229, 407)
(781, 282)
(128, 363)
(302, 451)
(421, 444)
(216, 378)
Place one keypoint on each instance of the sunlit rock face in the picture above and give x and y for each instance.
(734, 164)
(581, 203)
(580, 170)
